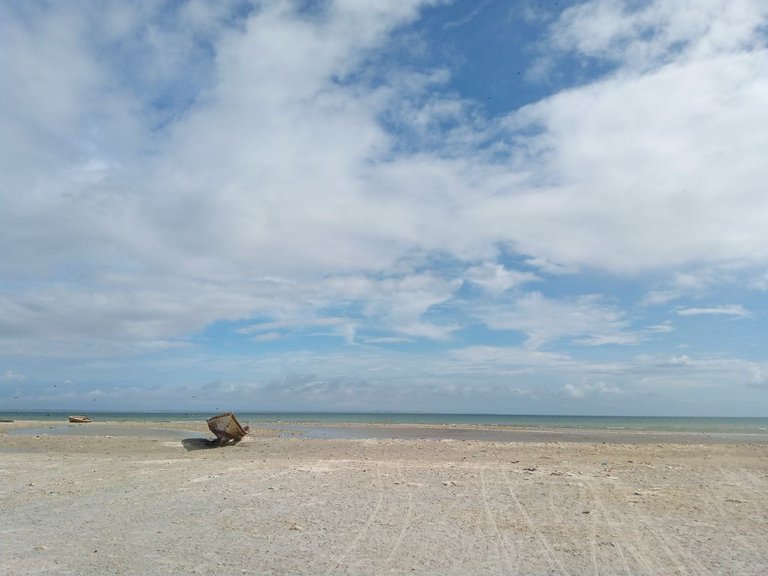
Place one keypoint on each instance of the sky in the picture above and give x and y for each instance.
(494, 206)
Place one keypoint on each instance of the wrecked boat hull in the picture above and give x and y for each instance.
(79, 419)
(226, 428)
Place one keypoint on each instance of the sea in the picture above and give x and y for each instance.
(692, 424)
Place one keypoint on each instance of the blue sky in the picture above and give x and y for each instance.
(507, 207)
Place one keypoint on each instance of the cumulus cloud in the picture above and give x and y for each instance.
(277, 163)
(642, 36)
(683, 83)
(278, 170)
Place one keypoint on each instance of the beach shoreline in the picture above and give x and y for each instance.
(390, 431)
(150, 501)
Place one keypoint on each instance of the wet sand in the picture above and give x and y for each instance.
(149, 498)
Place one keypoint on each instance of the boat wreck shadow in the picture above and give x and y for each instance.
(204, 444)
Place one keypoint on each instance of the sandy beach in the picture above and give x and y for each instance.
(151, 498)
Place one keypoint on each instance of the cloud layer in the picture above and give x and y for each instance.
(184, 177)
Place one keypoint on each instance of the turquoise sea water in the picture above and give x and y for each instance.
(712, 425)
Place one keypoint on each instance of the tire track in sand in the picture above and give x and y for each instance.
(645, 529)
(619, 540)
(553, 559)
(503, 548)
(716, 503)
(685, 562)
(407, 517)
(568, 529)
(636, 547)
(369, 522)
(749, 487)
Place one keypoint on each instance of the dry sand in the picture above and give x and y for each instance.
(155, 502)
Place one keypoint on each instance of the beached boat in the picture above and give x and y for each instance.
(79, 419)
(226, 427)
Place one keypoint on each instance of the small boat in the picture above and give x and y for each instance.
(226, 427)
(79, 419)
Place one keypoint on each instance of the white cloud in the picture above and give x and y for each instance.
(279, 165)
(398, 304)
(268, 337)
(160, 174)
(587, 389)
(638, 172)
(698, 284)
(549, 267)
(668, 195)
(759, 282)
(663, 328)
(759, 377)
(276, 159)
(494, 358)
(585, 320)
(11, 376)
(658, 297)
(497, 279)
(626, 339)
(735, 310)
(652, 33)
